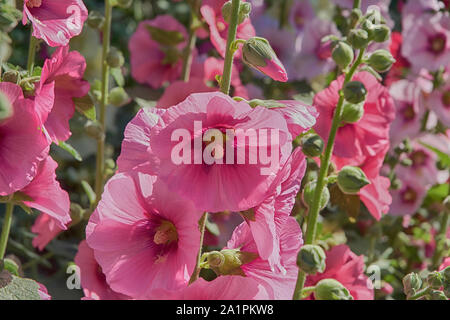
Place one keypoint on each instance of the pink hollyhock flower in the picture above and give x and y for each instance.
(22, 144)
(55, 21)
(46, 194)
(300, 14)
(143, 237)
(179, 90)
(211, 11)
(46, 229)
(439, 102)
(401, 66)
(265, 218)
(369, 135)
(240, 184)
(314, 58)
(409, 110)
(279, 285)
(445, 264)
(347, 268)
(43, 293)
(151, 62)
(415, 9)
(92, 278)
(427, 42)
(65, 69)
(221, 288)
(408, 199)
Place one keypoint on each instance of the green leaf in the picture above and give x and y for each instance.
(89, 192)
(445, 158)
(165, 37)
(118, 76)
(15, 288)
(86, 107)
(65, 146)
(11, 266)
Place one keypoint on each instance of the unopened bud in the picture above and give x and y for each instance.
(124, 3)
(94, 130)
(258, 54)
(435, 280)
(115, 58)
(331, 289)
(355, 92)
(411, 283)
(437, 295)
(311, 259)
(308, 195)
(355, 16)
(76, 213)
(244, 11)
(343, 55)
(95, 20)
(118, 97)
(12, 76)
(215, 259)
(312, 145)
(351, 179)
(381, 60)
(368, 26)
(6, 109)
(352, 112)
(381, 33)
(358, 38)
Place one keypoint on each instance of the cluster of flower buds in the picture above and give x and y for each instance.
(435, 287)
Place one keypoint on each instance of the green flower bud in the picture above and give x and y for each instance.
(437, 295)
(396, 184)
(343, 55)
(355, 16)
(6, 109)
(118, 97)
(94, 130)
(76, 213)
(95, 20)
(358, 38)
(311, 259)
(351, 179)
(244, 11)
(368, 26)
(115, 58)
(312, 145)
(229, 261)
(308, 195)
(406, 162)
(355, 92)
(12, 76)
(381, 33)
(352, 112)
(435, 280)
(124, 3)
(331, 289)
(411, 283)
(381, 60)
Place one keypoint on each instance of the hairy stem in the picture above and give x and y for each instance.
(31, 52)
(5, 229)
(202, 227)
(229, 53)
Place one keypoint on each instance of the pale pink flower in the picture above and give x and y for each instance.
(22, 143)
(408, 199)
(426, 43)
(55, 21)
(347, 268)
(217, 187)
(143, 237)
(65, 69)
(416, 8)
(211, 11)
(151, 62)
(178, 91)
(370, 134)
(300, 14)
(92, 278)
(439, 102)
(43, 293)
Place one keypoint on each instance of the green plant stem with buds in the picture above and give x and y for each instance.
(189, 50)
(5, 229)
(31, 52)
(321, 181)
(202, 226)
(100, 164)
(440, 239)
(230, 48)
(420, 294)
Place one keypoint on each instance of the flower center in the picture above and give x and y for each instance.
(221, 26)
(219, 147)
(446, 98)
(166, 233)
(408, 112)
(33, 3)
(409, 195)
(438, 43)
(418, 158)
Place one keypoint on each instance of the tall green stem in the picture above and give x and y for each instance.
(31, 52)
(100, 165)
(321, 181)
(202, 226)
(229, 53)
(440, 239)
(356, 3)
(189, 50)
(5, 229)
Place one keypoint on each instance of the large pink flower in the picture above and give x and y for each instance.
(180, 90)
(347, 268)
(227, 180)
(55, 21)
(211, 11)
(408, 199)
(151, 62)
(22, 143)
(92, 278)
(143, 237)
(66, 70)
(369, 135)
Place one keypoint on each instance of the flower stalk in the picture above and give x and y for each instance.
(189, 50)
(202, 227)
(31, 52)
(5, 229)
